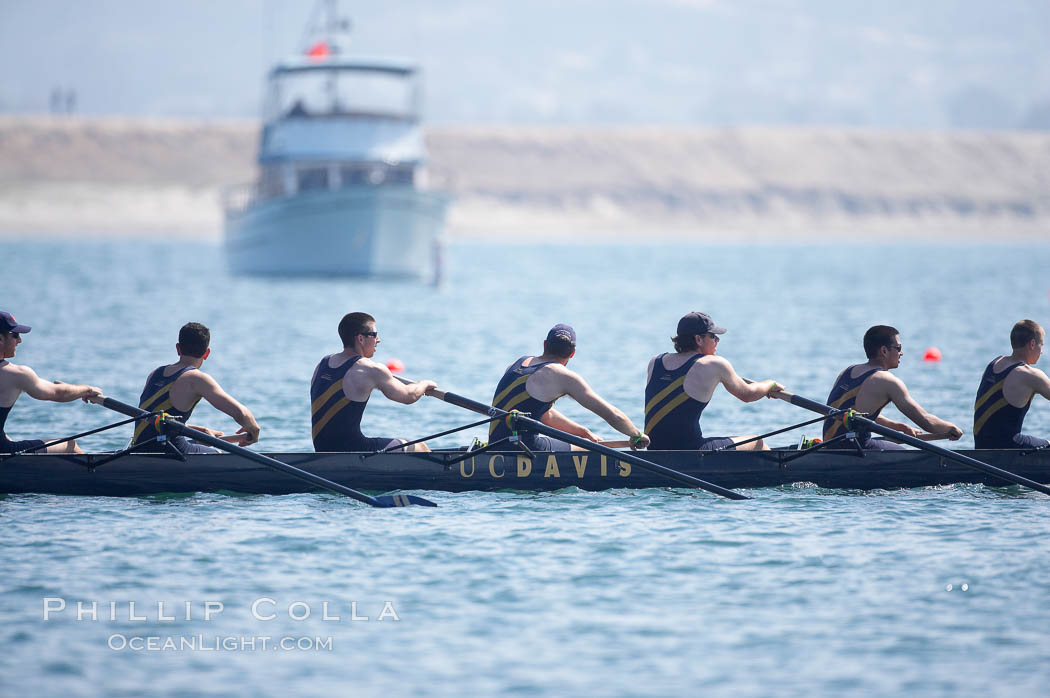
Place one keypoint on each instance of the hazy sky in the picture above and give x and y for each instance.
(897, 63)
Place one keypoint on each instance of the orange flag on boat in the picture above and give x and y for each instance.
(319, 50)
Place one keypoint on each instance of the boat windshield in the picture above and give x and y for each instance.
(342, 91)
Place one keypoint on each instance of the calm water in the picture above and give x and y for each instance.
(653, 592)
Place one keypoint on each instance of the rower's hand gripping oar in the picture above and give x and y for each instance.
(852, 418)
(541, 428)
(170, 425)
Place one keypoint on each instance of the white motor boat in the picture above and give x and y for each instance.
(342, 184)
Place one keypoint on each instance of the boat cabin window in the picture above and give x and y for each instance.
(342, 91)
(312, 178)
(375, 174)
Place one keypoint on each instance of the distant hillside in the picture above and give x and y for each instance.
(75, 175)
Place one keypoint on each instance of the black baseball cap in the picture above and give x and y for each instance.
(698, 323)
(562, 333)
(9, 324)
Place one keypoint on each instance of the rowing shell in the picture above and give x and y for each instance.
(145, 474)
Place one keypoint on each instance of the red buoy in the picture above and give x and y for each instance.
(932, 354)
(395, 365)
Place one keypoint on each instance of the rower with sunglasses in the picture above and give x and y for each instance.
(15, 380)
(342, 384)
(869, 387)
(680, 386)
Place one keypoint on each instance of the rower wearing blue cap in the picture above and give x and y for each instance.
(15, 380)
(533, 383)
(681, 385)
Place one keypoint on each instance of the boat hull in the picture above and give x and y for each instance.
(387, 231)
(146, 474)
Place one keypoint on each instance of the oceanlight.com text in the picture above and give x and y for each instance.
(218, 643)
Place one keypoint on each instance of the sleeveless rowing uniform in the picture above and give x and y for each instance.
(156, 397)
(844, 396)
(511, 395)
(337, 419)
(997, 423)
(9, 446)
(672, 418)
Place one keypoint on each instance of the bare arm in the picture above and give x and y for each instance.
(554, 418)
(392, 388)
(897, 426)
(577, 388)
(35, 387)
(903, 401)
(745, 390)
(1039, 381)
(210, 390)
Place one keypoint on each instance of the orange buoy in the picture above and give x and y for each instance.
(932, 354)
(395, 365)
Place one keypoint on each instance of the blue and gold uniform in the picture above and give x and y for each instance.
(997, 423)
(672, 418)
(511, 394)
(156, 397)
(843, 396)
(9, 446)
(336, 418)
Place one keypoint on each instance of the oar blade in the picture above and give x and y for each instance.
(403, 500)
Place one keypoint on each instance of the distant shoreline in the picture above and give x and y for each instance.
(72, 176)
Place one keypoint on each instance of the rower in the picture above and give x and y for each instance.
(177, 388)
(532, 384)
(342, 384)
(15, 380)
(681, 385)
(869, 387)
(1007, 387)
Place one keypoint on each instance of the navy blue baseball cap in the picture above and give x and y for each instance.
(698, 323)
(562, 333)
(9, 324)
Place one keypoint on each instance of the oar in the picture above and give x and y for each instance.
(177, 427)
(81, 435)
(873, 426)
(539, 427)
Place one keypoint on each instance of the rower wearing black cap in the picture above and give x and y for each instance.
(869, 387)
(342, 384)
(15, 380)
(533, 383)
(681, 385)
(1007, 387)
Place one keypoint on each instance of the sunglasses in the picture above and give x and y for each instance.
(14, 335)
(369, 334)
(894, 347)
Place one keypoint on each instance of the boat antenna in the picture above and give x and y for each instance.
(326, 26)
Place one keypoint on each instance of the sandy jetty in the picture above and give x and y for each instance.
(76, 176)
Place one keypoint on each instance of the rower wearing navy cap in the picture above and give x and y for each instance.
(681, 385)
(869, 387)
(1007, 387)
(177, 388)
(15, 380)
(533, 383)
(342, 384)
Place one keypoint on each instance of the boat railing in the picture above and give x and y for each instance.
(280, 181)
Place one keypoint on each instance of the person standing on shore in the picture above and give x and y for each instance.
(1007, 387)
(15, 380)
